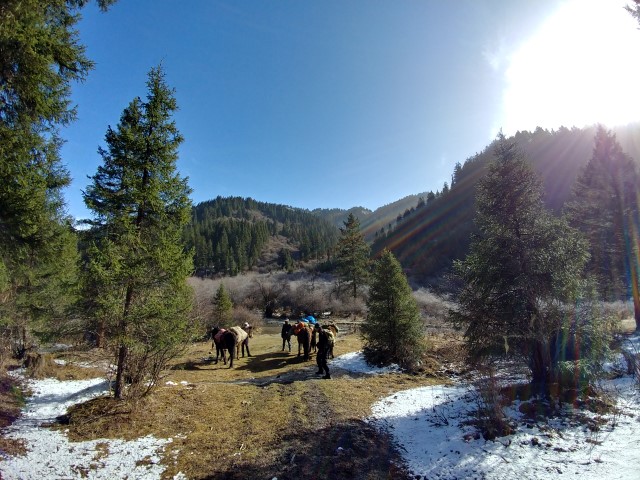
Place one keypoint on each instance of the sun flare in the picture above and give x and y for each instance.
(581, 67)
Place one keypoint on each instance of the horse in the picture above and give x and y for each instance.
(333, 329)
(304, 333)
(224, 340)
(231, 340)
(243, 334)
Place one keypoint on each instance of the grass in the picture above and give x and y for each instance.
(12, 400)
(269, 416)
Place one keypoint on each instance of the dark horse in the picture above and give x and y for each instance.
(224, 340)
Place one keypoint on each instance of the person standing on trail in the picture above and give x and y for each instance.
(287, 330)
(323, 351)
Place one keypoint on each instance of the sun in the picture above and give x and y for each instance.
(580, 68)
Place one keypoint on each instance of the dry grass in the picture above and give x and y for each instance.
(269, 416)
(12, 401)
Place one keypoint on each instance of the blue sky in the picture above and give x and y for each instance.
(325, 104)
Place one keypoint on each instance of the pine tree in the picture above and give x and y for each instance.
(605, 208)
(285, 260)
(40, 58)
(141, 205)
(394, 331)
(222, 308)
(352, 256)
(521, 267)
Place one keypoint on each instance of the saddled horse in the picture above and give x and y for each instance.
(230, 340)
(333, 329)
(243, 334)
(304, 332)
(224, 340)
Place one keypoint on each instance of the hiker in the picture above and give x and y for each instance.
(324, 339)
(287, 330)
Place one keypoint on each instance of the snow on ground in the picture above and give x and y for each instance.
(429, 425)
(50, 453)
(355, 362)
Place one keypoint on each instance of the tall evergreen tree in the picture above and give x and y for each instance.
(352, 256)
(222, 308)
(523, 264)
(605, 208)
(142, 205)
(40, 57)
(394, 331)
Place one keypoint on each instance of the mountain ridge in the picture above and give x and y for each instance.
(427, 231)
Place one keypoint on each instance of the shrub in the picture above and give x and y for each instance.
(393, 331)
(242, 314)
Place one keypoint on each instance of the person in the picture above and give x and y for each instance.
(323, 351)
(287, 330)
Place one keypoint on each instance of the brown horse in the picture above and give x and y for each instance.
(304, 333)
(333, 329)
(230, 340)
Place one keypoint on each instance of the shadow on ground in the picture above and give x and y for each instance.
(353, 450)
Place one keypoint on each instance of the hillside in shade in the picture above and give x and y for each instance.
(436, 233)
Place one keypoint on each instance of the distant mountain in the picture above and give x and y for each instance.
(371, 221)
(430, 238)
(426, 231)
(338, 216)
(231, 235)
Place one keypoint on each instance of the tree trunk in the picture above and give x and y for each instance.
(635, 290)
(123, 350)
(541, 368)
(100, 334)
(122, 360)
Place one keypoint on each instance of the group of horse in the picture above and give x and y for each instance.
(307, 337)
(234, 340)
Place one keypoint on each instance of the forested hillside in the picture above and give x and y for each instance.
(436, 232)
(231, 235)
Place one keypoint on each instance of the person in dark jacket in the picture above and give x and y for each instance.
(287, 331)
(323, 351)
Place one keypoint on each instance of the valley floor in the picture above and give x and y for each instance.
(271, 417)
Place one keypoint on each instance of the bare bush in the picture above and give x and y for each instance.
(490, 418)
(298, 291)
(434, 308)
(145, 367)
(351, 307)
(5, 349)
(618, 310)
(38, 365)
(242, 314)
(308, 298)
(272, 293)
